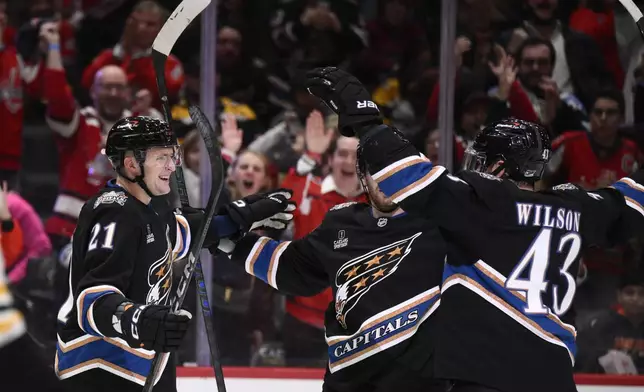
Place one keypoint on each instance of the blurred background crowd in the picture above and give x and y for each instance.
(69, 69)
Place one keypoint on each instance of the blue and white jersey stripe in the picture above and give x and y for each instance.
(407, 176)
(489, 284)
(633, 193)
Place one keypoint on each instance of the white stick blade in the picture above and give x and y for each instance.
(632, 9)
(177, 23)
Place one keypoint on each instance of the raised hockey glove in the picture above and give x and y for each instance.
(271, 210)
(152, 327)
(346, 96)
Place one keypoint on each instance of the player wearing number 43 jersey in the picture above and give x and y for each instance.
(121, 269)
(513, 253)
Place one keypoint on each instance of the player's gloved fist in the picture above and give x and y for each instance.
(154, 327)
(345, 95)
(263, 210)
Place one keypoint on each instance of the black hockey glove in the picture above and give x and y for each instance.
(271, 210)
(152, 327)
(346, 96)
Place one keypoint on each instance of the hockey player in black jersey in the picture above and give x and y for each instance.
(116, 317)
(384, 267)
(513, 253)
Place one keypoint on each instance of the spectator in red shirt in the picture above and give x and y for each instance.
(304, 322)
(16, 78)
(601, 157)
(132, 54)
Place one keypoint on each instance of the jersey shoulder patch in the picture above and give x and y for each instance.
(111, 197)
(342, 205)
(565, 187)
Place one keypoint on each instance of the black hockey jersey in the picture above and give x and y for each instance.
(384, 272)
(513, 256)
(120, 246)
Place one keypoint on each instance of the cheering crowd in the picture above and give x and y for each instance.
(69, 70)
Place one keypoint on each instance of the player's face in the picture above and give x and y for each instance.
(631, 299)
(378, 199)
(160, 163)
(343, 161)
(249, 174)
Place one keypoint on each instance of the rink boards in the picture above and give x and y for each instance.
(310, 380)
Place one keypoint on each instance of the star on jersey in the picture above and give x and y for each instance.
(359, 275)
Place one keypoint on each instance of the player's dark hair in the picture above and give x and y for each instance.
(362, 170)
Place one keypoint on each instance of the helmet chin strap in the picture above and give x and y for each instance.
(138, 179)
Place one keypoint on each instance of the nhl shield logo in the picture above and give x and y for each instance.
(359, 275)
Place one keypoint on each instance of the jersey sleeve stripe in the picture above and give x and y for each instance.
(182, 244)
(409, 179)
(633, 193)
(263, 260)
(85, 307)
(549, 329)
(91, 353)
(398, 166)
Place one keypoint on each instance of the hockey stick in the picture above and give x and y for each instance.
(193, 266)
(635, 13)
(161, 48)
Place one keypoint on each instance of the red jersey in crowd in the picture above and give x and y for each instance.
(83, 169)
(139, 70)
(581, 162)
(314, 199)
(16, 78)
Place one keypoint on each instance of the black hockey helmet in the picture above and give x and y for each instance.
(523, 146)
(138, 134)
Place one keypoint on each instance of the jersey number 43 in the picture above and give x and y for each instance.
(536, 261)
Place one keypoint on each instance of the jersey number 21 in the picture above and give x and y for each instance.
(108, 238)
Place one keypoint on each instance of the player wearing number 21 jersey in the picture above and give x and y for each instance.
(121, 271)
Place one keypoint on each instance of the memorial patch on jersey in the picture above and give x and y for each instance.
(111, 197)
(342, 205)
(359, 275)
(383, 330)
(489, 284)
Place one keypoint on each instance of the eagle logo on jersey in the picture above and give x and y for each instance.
(160, 276)
(359, 275)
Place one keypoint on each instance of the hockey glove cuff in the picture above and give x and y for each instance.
(151, 327)
(271, 210)
(345, 95)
